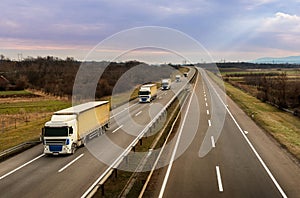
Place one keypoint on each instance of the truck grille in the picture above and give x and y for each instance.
(55, 142)
(55, 148)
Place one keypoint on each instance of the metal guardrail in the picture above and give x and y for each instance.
(17, 148)
(92, 190)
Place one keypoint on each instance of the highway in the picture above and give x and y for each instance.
(32, 174)
(240, 161)
(218, 151)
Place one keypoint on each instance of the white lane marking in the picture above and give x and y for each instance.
(162, 190)
(207, 111)
(125, 151)
(206, 104)
(160, 97)
(209, 123)
(204, 95)
(124, 110)
(117, 129)
(213, 142)
(246, 132)
(11, 172)
(205, 99)
(138, 113)
(165, 94)
(69, 164)
(219, 179)
(250, 144)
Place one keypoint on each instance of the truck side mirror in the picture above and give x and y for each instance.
(70, 130)
(43, 130)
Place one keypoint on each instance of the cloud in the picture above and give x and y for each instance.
(281, 22)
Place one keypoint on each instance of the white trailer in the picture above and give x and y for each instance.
(70, 128)
(147, 93)
(166, 84)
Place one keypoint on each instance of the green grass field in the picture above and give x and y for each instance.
(11, 93)
(38, 111)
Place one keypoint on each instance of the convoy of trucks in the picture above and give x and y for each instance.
(166, 84)
(70, 128)
(147, 92)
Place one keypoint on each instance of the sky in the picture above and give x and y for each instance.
(233, 30)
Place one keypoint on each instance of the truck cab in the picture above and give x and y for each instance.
(147, 93)
(59, 135)
(178, 78)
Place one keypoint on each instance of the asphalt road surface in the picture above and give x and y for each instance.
(229, 155)
(32, 174)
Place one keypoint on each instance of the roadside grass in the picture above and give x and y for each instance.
(24, 133)
(33, 106)
(11, 93)
(283, 126)
(26, 130)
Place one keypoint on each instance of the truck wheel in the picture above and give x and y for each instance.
(73, 148)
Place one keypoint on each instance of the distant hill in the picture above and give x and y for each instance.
(282, 60)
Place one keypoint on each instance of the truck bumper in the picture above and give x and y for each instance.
(57, 149)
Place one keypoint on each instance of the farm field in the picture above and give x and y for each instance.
(21, 118)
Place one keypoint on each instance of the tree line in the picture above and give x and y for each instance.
(57, 76)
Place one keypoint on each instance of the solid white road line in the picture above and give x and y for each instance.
(138, 113)
(212, 141)
(207, 111)
(117, 129)
(250, 144)
(163, 187)
(11, 172)
(209, 123)
(219, 179)
(69, 164)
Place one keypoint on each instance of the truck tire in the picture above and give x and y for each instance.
(73, 148)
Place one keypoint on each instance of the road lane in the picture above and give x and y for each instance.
(41, 177)
(242, 173)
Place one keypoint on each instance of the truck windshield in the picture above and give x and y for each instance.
(144, 93)
(56, 131)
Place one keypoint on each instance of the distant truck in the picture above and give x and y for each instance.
(185, 74)
(70, 128)
(178, 78)
(147, 92)
(166, 84)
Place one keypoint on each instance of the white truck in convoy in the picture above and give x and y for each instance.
(147, 92)
(178, 78)
(166, 84)
(70, 128)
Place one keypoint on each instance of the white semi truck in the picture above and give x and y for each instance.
(70, 128)
(147, 92)
(178, 78)
(166, 84)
